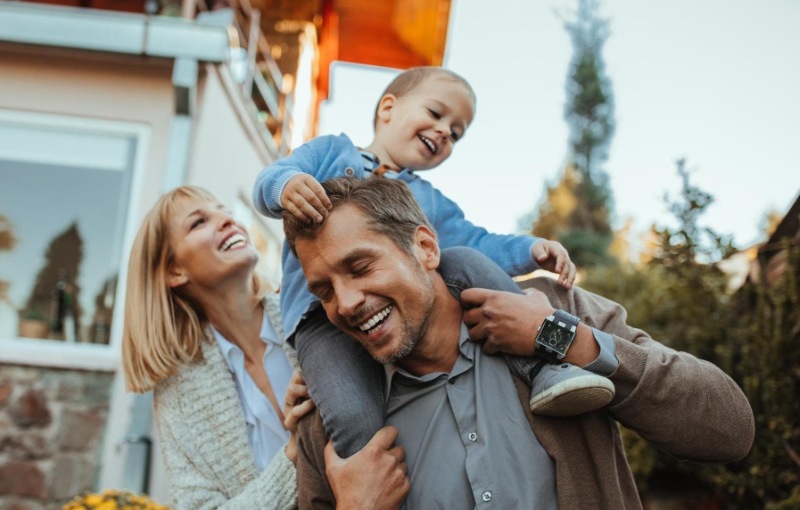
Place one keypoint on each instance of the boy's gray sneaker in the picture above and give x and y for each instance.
(567, 390)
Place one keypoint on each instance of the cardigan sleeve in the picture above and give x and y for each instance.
(683, 405)
(192, 482)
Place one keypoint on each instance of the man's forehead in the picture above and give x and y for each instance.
(345, 224)
(344, 227)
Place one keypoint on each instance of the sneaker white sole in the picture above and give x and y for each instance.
(574, 396)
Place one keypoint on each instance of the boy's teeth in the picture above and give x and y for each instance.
(375, 319)
(429, 143)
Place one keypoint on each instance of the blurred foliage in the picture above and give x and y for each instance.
(577, 210)
(679, 297)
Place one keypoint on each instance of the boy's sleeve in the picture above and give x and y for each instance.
(511, 252)
(272, 179)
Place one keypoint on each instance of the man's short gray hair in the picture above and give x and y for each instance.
(388, 205)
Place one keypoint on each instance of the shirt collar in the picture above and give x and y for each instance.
(231, 351)
(373, 163)
(465, 347)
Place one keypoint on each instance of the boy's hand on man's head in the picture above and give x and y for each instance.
(305, 199)
(552, 255)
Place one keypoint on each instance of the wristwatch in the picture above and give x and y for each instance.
(555, 335)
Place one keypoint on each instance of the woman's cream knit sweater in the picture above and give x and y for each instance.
(203, 435)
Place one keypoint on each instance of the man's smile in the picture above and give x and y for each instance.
(375, 320)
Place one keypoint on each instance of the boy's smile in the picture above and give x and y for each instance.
(417, 130)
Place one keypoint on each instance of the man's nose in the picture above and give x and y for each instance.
(348, 298)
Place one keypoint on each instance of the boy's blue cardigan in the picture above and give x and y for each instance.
(328, 157)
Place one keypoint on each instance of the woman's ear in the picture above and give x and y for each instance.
(176, 277)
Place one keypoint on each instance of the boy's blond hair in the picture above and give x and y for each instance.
(163, 327)
(410, 78)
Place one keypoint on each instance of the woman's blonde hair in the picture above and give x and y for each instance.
(163, 327)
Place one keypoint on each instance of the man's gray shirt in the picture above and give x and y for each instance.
(467, 441)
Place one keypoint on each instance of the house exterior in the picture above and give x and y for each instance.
(104, 105)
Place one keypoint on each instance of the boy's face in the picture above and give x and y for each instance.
(418, 130)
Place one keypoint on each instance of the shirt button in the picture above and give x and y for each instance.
(473, 436)
(486, 496)
(349, 171)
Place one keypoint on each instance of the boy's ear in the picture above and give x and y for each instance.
(427, 247)
(385, 106)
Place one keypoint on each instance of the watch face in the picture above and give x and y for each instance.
(554, 337)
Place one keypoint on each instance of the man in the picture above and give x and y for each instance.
(469, 439)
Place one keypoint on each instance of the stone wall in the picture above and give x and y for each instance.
(52, 423)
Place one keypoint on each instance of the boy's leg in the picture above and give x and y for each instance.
(466, 268)
(557, 390)
(344, 381)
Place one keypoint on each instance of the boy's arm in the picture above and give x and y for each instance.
(513, 253)
(315, 158)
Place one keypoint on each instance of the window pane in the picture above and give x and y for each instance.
(60, 236)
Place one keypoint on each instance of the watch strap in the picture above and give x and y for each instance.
(561, 319)
(566, 318)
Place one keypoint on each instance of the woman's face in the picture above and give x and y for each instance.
(210, 248)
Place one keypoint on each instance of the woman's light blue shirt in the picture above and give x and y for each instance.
(264, 426)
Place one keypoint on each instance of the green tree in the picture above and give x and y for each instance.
(680, 297)
(584, 227)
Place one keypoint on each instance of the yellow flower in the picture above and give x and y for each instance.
(113, 499)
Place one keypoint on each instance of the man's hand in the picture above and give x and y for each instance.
(373, 478)
(551, 255)
(504, 321)
(305, 199)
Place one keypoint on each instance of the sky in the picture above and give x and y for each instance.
(714, 82)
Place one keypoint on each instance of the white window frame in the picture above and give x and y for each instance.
(49, 353)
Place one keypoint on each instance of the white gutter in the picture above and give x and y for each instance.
(126, 33)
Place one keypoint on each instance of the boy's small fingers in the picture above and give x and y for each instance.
(296, 212)
(310, 198)
(319, 193)
(310, 212)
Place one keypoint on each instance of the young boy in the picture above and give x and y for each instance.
(418, 120)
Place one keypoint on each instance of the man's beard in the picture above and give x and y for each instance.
(412, 333)
(410, 340)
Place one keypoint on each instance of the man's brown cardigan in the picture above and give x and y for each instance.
(682, 405)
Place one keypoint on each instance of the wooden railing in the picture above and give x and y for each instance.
(263, 86)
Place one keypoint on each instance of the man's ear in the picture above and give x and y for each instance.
(385, 106)
(428, 247)
(176, 277)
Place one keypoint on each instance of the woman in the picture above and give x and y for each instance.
(202, 333)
